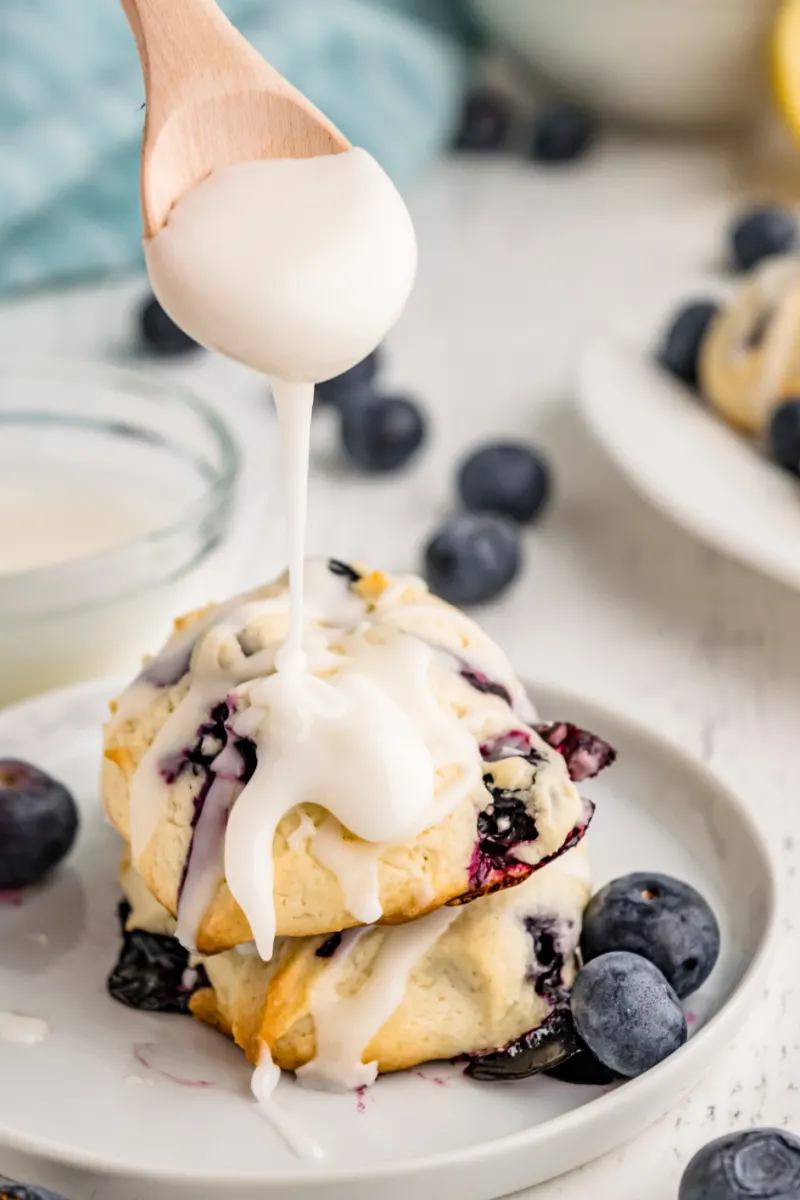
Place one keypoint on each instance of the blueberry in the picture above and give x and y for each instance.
(626, 1012)
(585, 754)
(160, 333)
(543, 1049)
(582, 1069)
(472, 558)
(382, 433)
(680, 349)
(562, 132)
(152, 971)
(38, 823)
(760, 234)
(485, 122)
(783, 436)
(660, 918)
(357, 379)
(504, 823)
(505, 477)
(752, 1163)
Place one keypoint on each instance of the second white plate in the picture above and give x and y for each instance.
(160, 1106)
(688, 463)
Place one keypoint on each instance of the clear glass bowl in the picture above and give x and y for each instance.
(117, 496)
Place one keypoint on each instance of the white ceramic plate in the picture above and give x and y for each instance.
(688, 463)
(103, 1094)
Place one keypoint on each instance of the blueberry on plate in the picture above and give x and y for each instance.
(627, 1013)
(160, 333)
(783, 436)
(485, 122)
(472, 558)
(544, 1048)
(505, 477)
(38, 823)
(583, 1069)
(664, 920)
(152, 972)
(358, 379)
(381, 433)
(753, 1163)
(762, 233)
(562, 132)
(680, 349)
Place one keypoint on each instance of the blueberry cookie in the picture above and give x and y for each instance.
(460, 981)
(413, 777)
(750, 355)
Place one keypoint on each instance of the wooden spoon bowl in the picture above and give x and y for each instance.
(212, 101)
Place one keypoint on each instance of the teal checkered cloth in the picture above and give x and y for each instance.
(389, 73)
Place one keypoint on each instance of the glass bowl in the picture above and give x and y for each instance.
(117, 497)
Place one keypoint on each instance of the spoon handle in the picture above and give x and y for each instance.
(187, 48)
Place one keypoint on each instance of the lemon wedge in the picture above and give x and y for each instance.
(786, 63)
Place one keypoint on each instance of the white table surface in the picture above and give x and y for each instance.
(518, 266)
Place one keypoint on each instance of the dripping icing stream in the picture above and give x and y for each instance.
(299, 268)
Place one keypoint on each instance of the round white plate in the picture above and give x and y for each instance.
(107, 1090)
(688, 463)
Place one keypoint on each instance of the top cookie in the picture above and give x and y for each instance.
(402, 773)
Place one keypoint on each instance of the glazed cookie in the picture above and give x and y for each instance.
(750, 356)
(418, 779)
(460, 981)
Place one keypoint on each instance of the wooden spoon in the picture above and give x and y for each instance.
(212, 101)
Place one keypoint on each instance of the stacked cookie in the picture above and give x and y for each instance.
(749, 360)
(375, 859)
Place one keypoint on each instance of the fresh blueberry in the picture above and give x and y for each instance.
(562, 132)
(472, 558)
(485, 122)
(161, 334)
(626, 1012)
(753, 1163)
(664, 920)
(38, 823)
(582, 1069)
(760, 234)
(680, 349)
(358, 379)
(505, 477)
(783, 437)
(382, 433)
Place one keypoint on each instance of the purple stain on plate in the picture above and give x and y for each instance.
(436, 1079)
(147, 1054)
(12, 896)
(361, 1092)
